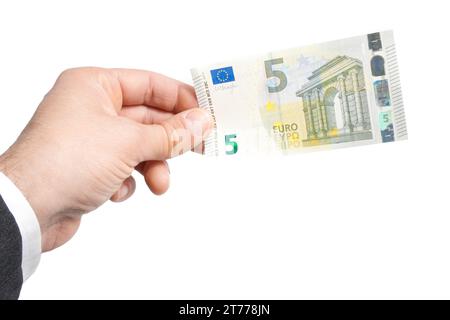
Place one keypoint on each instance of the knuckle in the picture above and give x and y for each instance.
(167, 140)
(68, 73)
(170, 140)
(179, 137)
(155, 137)
(79, 72)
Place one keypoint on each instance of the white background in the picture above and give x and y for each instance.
(368, 222)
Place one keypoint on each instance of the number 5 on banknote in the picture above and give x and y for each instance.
(280, 75)
(331, 95)
(230, 142)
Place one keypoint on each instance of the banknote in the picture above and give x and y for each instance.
(323, 96)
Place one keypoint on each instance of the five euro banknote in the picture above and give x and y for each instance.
(330, 95)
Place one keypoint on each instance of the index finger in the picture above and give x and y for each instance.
(152, 89)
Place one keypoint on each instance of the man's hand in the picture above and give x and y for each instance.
(90, 132)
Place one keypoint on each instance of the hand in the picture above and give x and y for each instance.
(90, 132)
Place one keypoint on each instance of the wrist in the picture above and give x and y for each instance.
(12, 168)
(27, 222)
(32, 177)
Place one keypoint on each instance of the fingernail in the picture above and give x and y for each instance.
(123, 192)
(167, 166)
(199, 119)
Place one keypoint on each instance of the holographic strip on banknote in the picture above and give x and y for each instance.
(330, 95)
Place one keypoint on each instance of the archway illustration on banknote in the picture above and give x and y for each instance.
(335, 103)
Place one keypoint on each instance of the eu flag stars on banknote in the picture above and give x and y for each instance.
(222, 75)
(330, 95)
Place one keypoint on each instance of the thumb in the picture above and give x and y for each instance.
(174, 136)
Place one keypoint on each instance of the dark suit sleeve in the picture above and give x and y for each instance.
(11, 278)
